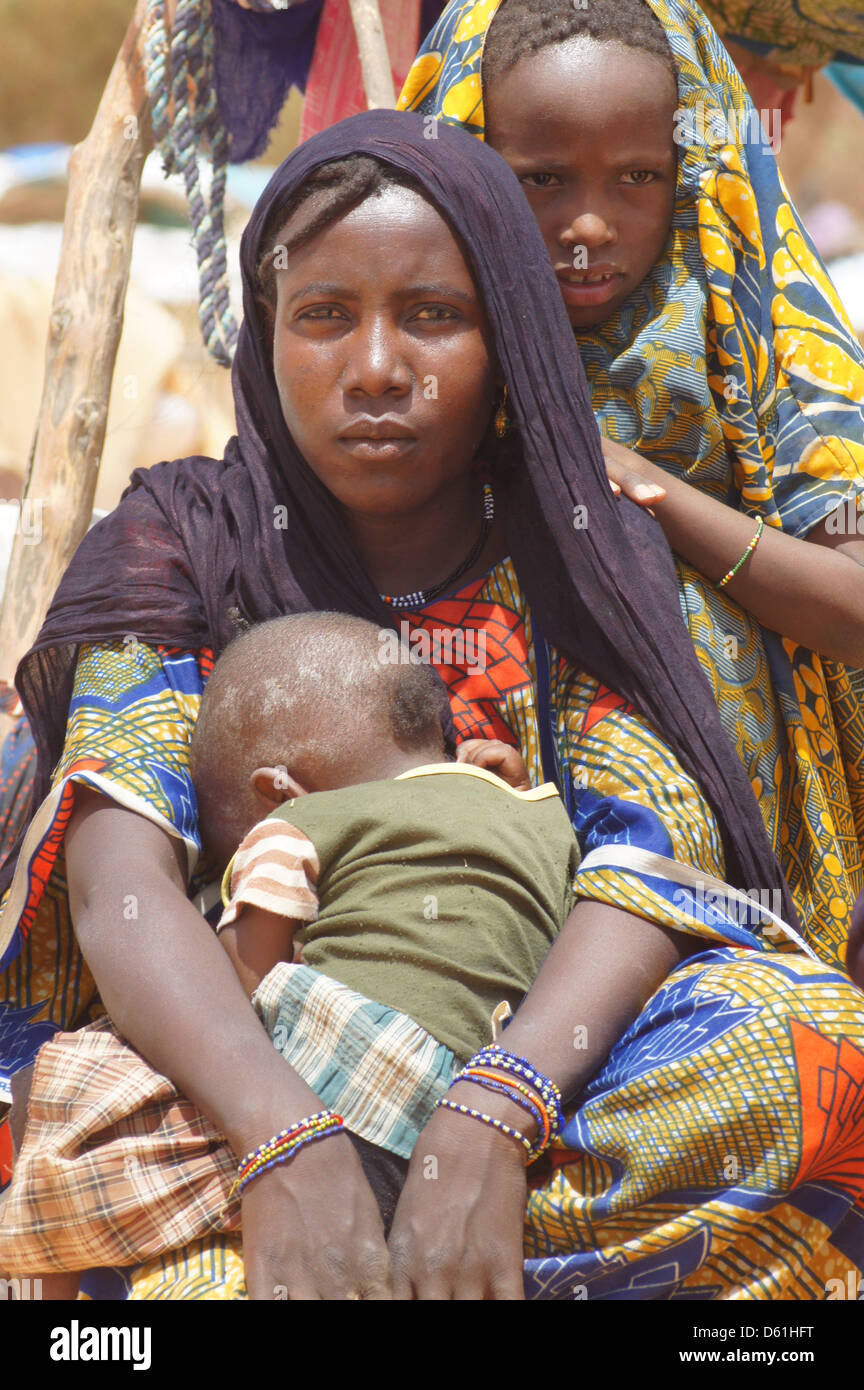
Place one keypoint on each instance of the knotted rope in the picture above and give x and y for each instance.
(179, 75)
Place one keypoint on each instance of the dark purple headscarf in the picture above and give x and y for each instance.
(195, 538)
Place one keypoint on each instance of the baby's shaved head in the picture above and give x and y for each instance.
(310, 693)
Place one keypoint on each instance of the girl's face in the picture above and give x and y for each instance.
(381, 356)
(587, 128)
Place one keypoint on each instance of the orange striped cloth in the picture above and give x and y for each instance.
(275, 868)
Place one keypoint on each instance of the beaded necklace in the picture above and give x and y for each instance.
(420, 597)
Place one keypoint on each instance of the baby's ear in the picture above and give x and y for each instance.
(275, 785)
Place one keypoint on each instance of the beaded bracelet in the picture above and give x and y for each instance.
(520, 1095)
(721, 584)
(281, 1154)
(497, 1080)
(321, 1117)
(495, 1068)
(495, 1055)
(283, 1146)
(487, 1120)
(277, 1153)
(499, 1059)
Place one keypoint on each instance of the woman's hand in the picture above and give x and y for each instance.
(312, 1230)
(629, 473)
(458, 1226)
(457, 1233)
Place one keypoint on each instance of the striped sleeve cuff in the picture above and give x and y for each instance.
(275, 868)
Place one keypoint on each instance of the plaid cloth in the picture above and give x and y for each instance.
(116, 1167)
(374, 1066)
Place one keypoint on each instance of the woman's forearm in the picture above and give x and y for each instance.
(600, 972)
(810, 592)
(165, 980)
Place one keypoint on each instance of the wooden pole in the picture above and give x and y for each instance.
(374, 58)
(84, 332)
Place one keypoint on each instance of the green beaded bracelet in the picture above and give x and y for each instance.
(721, 584)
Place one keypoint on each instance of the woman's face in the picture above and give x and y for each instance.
(381, 355)
(587, 127)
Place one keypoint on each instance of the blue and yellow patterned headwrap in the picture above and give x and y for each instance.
(806, 32)
(735, 346)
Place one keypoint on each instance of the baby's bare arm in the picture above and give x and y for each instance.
(256, 942)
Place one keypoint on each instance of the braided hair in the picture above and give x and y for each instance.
(330, 191)
(521, 28)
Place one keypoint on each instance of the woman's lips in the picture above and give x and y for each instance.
(584, 291)
(377, 450)
(377, 438)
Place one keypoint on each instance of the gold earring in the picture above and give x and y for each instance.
(503, 423)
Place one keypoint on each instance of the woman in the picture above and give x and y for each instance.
(376, 342)
(741, 392)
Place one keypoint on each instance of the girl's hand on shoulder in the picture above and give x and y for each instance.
(312, 1229)
(457, 1233)
(629, 473)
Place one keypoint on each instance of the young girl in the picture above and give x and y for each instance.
(714, 346)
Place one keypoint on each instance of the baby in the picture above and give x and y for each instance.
(384, 903)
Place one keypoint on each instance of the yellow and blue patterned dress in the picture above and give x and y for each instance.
(732, 366)
(719, 1152)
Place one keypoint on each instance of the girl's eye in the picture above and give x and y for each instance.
(539, 180)
(639, 176)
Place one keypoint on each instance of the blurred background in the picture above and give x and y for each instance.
(169, 398)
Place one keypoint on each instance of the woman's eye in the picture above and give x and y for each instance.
(322, 311)
(434, 313)
(539, 180)
(639, 176)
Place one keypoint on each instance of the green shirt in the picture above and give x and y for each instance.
(440, 892)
